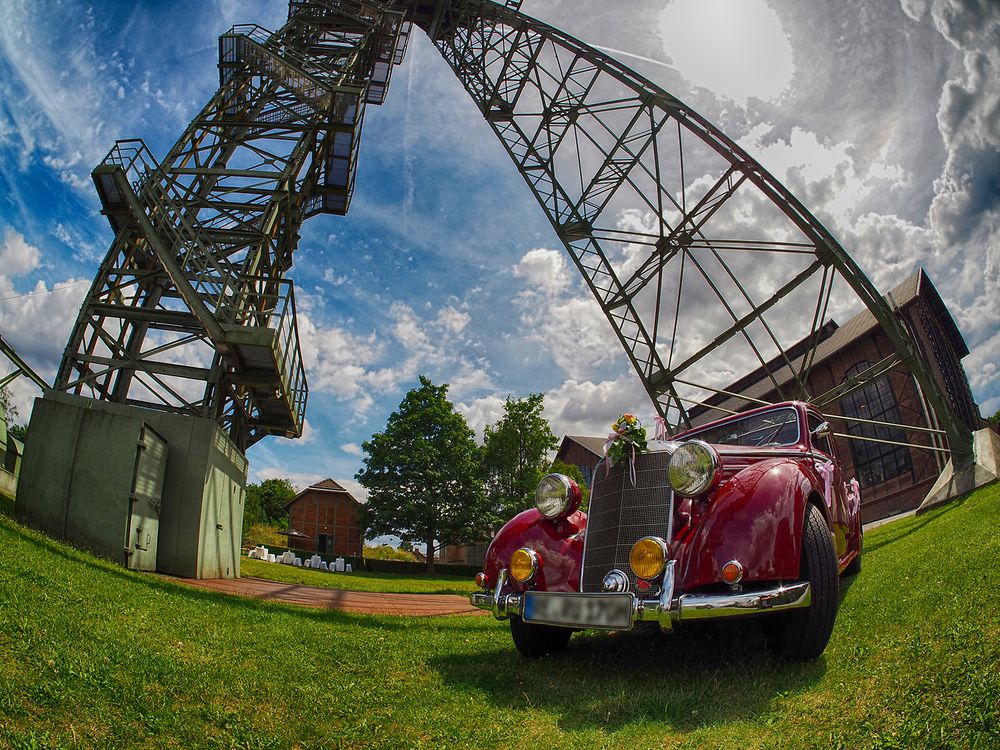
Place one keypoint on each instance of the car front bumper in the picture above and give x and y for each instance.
(667, 610)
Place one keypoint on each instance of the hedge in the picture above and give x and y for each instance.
(372, 565)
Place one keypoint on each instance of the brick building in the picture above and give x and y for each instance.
(893, 478)
(325, 516)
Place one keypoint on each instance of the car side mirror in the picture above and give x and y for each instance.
(823, 430)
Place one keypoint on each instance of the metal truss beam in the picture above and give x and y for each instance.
(603, 149)
(703, 263)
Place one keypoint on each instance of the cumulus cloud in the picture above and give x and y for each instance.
(561, 316)
(337, 361)
(587, 408)
(352, 448)
(360, 368)
(35, 320)
(17, 256)
(481, 412)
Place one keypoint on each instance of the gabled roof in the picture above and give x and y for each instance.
(327, 485)
(590, 444)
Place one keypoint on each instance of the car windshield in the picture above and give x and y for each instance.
(778, 427)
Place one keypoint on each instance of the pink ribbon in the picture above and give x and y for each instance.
(661, 428)
(619, 433)
(826, 471)
(854, 496)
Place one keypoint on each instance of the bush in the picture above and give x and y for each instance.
(385, 552)
(263, 534)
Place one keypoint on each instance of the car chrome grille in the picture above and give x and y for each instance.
(622, 512)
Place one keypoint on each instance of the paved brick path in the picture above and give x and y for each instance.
(364, 602)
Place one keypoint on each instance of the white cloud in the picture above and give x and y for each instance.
(481, 412)
(453, 320)
(36, 321)
(469, 380)
(336, 361)
(352, 448)
(587, 408)
(331, 278)
(561, 317)
(17, 256)
(737, 50)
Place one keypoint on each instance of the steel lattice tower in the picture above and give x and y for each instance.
(703, 263)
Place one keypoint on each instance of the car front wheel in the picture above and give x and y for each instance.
(537, 640)
(803, 634)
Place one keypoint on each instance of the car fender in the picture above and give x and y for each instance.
(558, 544)
(756, 518)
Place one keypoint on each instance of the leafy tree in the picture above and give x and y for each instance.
(995, 419)
(515, 455)
(421, 474)
(18, 431)
(574, 473)
(8, 412)
(265, 503)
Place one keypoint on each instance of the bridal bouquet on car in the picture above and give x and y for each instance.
(627, 438)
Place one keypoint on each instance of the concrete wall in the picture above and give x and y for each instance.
(201, 517)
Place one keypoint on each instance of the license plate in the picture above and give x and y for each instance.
(607, 611)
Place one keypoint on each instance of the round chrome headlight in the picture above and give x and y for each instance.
(557, 496)
(694, 468)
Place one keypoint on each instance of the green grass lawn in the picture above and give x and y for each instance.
(92, 656)
(410, 583)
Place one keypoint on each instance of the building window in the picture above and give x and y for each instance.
(875, 463)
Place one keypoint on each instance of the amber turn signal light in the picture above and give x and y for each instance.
(523, 564)
(648, 557)
(732, 572)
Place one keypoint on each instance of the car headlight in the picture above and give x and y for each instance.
(648, 557)
(557, 496)
(524, 564)
(694, 468)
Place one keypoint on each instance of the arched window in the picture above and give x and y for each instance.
(875, 463)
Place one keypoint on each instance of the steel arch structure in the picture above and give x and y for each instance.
(703, 263)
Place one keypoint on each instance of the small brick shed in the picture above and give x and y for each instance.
(326, 515)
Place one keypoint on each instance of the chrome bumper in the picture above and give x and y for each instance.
(667, 610)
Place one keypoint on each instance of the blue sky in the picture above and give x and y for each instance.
(883, 118)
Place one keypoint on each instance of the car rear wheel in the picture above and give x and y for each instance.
(537, 640)
(803, 634)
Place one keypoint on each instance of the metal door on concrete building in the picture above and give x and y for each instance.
(145, 501)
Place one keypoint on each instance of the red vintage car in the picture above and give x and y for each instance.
(748, 515)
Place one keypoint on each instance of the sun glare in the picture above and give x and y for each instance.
(735, 48)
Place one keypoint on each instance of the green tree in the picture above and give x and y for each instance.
(574, 473)
(421, 474)
(995, 419)
(8, 412)
(515, 455)
(265, 503)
